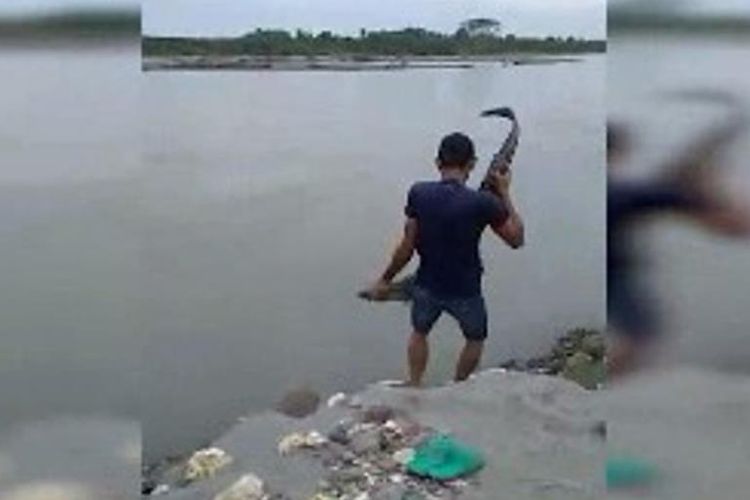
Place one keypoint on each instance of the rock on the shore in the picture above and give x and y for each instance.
(299, 403)
(584, 370)
(594, 345)
(579, 355)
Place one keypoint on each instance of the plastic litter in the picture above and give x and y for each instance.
(443, 458)
(206, 463)
(297, 440)
(161, 489)
(404, 456)
(629, 472)
(366, 456)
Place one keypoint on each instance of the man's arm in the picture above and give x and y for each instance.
(730, 219)
(403, 251)
(401, 256)
(510, 230)
(510, 227)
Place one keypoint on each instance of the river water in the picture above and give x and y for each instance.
(184, 247)
(69, 340)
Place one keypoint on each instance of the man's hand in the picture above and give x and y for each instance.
(377, 291)
(499, 181)
(381, 289)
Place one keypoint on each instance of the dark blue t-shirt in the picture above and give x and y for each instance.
(627, 203)
(450, 220)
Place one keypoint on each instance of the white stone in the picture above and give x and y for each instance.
(162, 489)
(314, 439)
(392, 425)
(398, 478)
(291, 442)
(404, 456)
(337, 399)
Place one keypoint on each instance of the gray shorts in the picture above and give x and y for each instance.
(470, 312)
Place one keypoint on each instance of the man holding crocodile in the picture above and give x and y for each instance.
(444, 223)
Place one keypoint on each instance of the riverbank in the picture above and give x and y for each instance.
(332, 63)
(545, 443)
(539, 435)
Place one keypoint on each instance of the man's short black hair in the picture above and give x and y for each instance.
(456, 150)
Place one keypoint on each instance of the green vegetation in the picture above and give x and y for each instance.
(111, 22)
(409, 41)
(625, 20)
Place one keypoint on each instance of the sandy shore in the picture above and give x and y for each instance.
(541, 437)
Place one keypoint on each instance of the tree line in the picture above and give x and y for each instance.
(107, 23)
(409, 41)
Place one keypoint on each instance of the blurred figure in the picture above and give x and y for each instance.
(688, 187)
(678, 44)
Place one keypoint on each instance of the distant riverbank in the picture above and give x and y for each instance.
(341, 63)
(401, 42)
(408, 48)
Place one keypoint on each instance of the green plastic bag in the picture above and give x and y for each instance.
(443, 458)
(629, 472)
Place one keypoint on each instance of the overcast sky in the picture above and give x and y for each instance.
(235, 17)
(32, 6)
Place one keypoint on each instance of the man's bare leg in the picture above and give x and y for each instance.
(418, 354)
(626, 356)
(469, 359)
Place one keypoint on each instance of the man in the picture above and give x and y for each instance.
(690, 191)
(444, 222)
